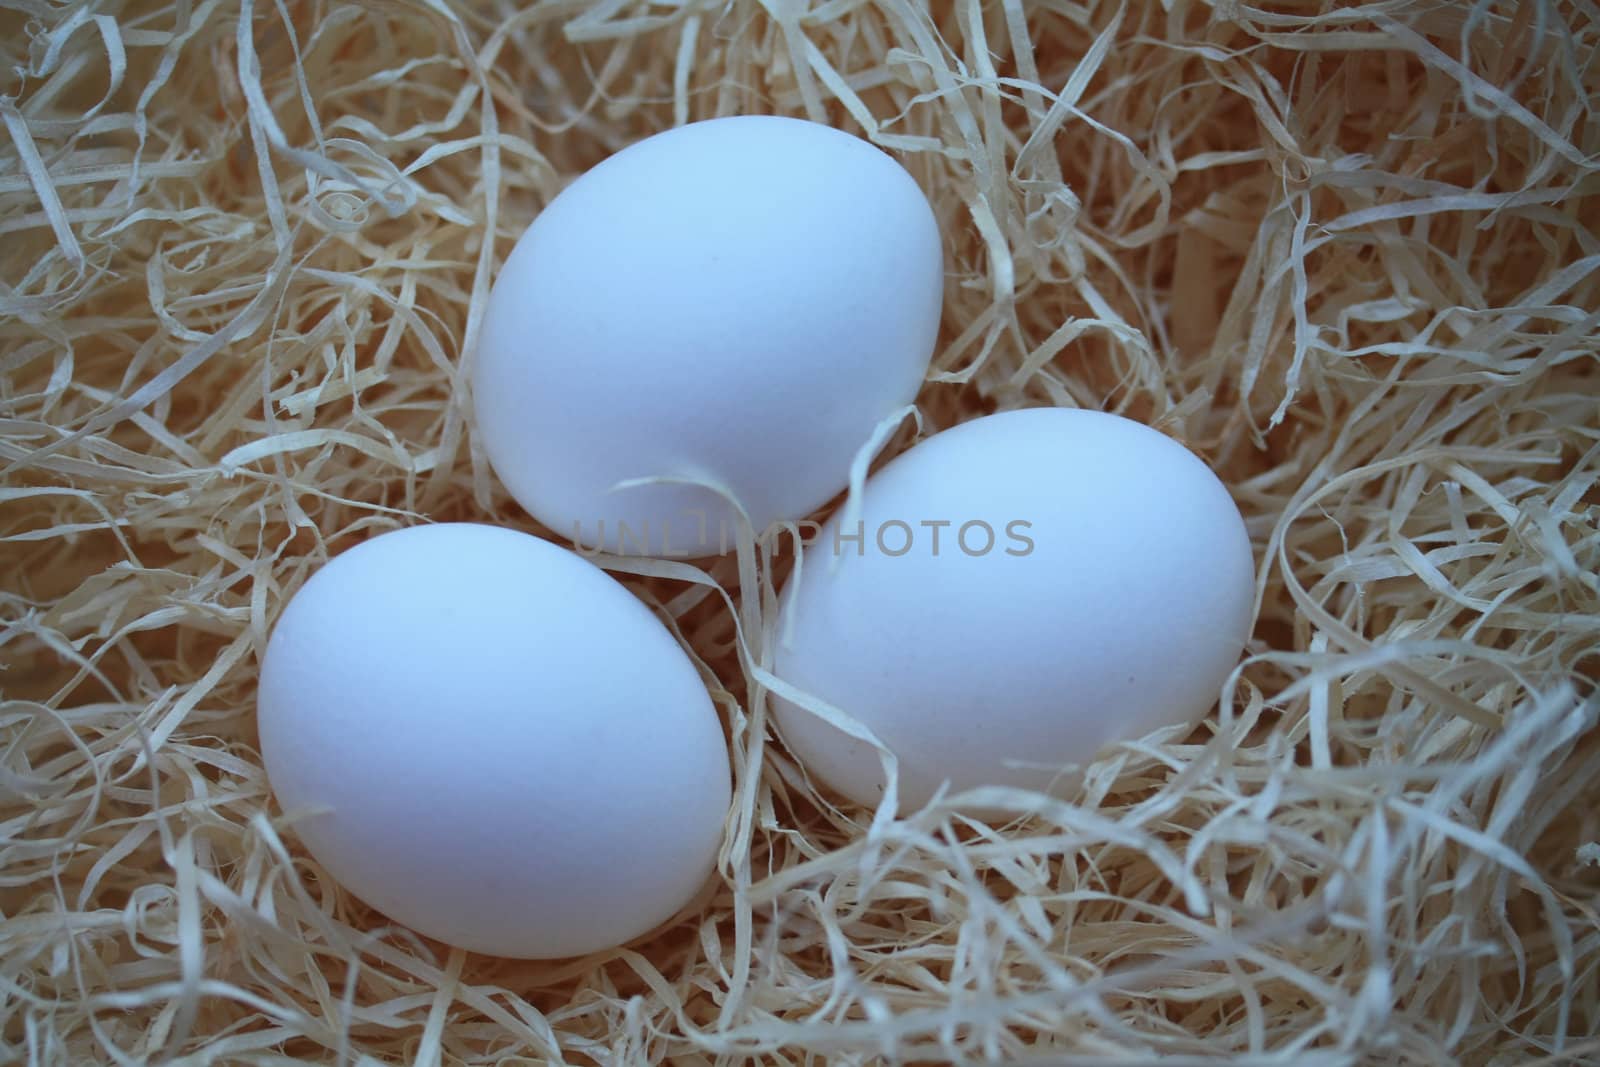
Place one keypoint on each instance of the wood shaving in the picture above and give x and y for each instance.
(1347, 252)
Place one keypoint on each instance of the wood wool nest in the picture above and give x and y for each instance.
(1347, 253)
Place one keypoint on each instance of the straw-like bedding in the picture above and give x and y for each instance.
(1347, 253)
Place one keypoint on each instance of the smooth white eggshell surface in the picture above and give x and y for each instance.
(740, 300)
(1008, 666)
(491, 741)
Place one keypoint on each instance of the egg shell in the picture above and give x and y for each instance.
(1111, 596)
(490, 740)
(739, 301)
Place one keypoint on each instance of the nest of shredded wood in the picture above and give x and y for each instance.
(1348, 254)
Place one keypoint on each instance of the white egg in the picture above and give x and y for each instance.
(491, 741)
(739, 301)
(1022, 591)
